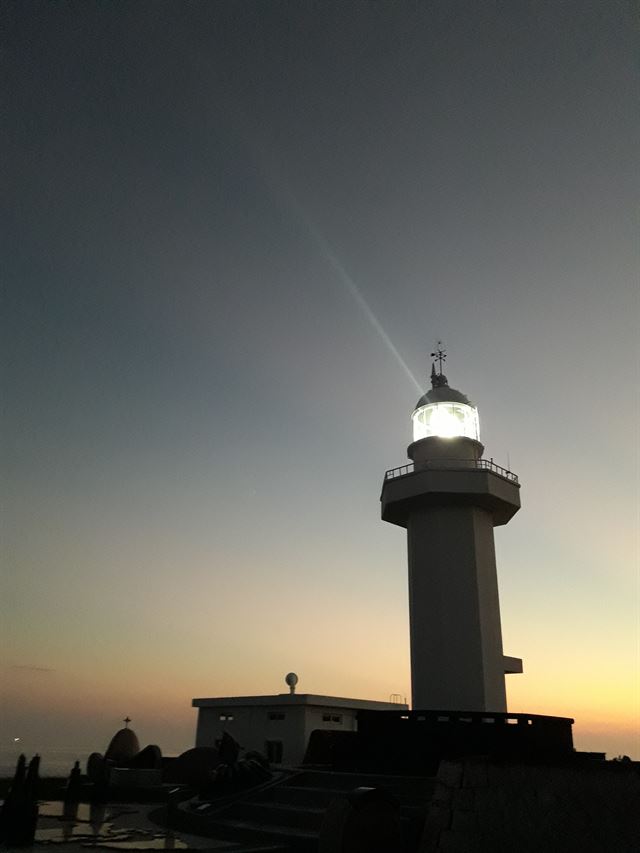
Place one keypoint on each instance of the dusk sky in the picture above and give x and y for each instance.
(232, 234)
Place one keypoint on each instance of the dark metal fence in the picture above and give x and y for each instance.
(448, 464)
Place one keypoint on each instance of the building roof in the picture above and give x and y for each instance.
(440, 392)
(297, 699)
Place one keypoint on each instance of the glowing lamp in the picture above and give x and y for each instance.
(446, 419)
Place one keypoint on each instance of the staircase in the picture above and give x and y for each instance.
(289, 814)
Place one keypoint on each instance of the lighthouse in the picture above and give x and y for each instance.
(449, 499)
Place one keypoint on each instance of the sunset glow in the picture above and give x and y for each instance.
(234, 233)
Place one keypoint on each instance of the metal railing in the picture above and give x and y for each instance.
(382, 719)
(448, 464)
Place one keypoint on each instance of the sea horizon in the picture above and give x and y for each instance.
(54, 761)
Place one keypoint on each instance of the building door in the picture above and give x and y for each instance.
(274, 751)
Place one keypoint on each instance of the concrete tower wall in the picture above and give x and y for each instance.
(456, 641)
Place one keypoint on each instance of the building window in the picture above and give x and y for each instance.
(274, 751)
(332, 718)
(276, 715)
(226, 717)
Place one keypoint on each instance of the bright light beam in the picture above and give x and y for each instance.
(279, 187)
(351, 287)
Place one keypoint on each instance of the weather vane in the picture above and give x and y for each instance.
(439, 355)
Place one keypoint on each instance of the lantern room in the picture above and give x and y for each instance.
(444, 412)
(446, 419)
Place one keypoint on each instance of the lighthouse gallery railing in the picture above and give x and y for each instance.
(437, 464)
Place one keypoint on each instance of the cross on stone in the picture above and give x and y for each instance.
(126, 722)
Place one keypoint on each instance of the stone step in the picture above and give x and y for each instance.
(337, 781)
(290, 812)
(279, 814)
(299, 795)
(418, 796)
(270, 848)
(413, 791)
(321, 797)
(295, 840)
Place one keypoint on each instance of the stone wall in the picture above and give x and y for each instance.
(480, 807)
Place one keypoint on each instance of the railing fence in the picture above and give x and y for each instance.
(446, 464)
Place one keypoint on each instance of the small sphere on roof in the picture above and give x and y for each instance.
(291, 679)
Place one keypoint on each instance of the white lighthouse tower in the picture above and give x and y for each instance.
(449, 500)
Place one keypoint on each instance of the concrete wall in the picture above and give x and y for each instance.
(456, 639)
(427, 450)
(454, 486)
(251, 727)
(314, 720)
(134, 777)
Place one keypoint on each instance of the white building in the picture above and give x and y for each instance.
(279, 726)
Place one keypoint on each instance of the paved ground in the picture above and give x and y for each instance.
(115, 827)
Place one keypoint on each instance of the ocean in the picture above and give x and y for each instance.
(53, 762)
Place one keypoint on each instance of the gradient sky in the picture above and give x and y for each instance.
(233, 231)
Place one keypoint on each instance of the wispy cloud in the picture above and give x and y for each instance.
(32, 668)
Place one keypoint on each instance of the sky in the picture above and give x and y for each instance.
(232, 234)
